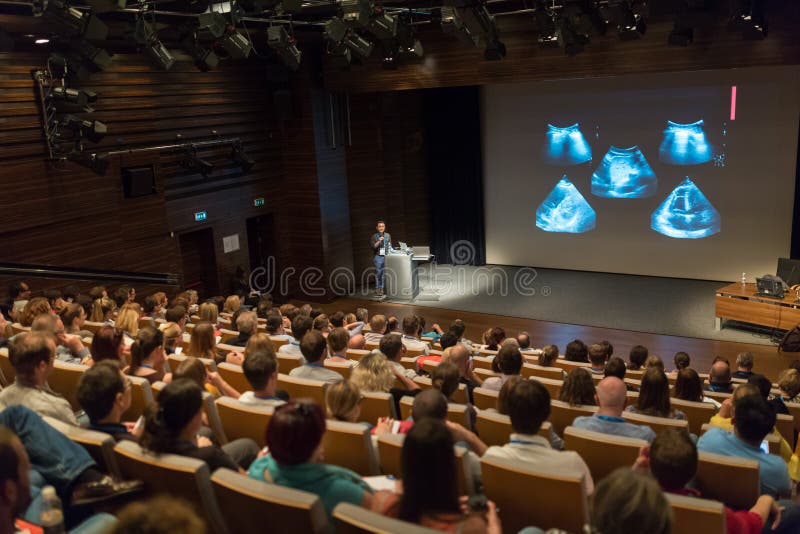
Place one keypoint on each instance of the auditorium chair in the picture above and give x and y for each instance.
(212, 416)
(371, 345)
(691, 515)
(414, 353)
(99, 445)
(189, 326)
(7, 369)
(457, 413)
(409, 363)
(635, 374)
(287, 362)
(482, 362)
(390, 452)
(156, 387)
(537, 371)
(376, 404)
(243, 420)
(92, 326)
(175, 475)
(429, 366)
(656, 423)
(176, 359)
(485, 399)
(495, 428)
(546, 498)
(794, 407)
(350, 445)
(343, 368)
(147, 321)
(278, 342)
(602, 452)
(729, 479)
(697, 413)
(562, 414)
(223, 349)
(485, 373)
(356, 354)
(141, 397)
(17, 328)
(64, 380)
(568, 366)
(784, 424)
(553, 386)
(352, 519)
(226, 334)
(773, 439)
(459, 395)
(302, 387)
(718, 396)
(247, 503)
(233, 375)
(487, 353)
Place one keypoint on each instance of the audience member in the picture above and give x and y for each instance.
(160, 515)
(104, 393)
(260, 368)
(362, 315)
(128, 321)
(247, 325)
(73, 316)
(494, 339)
(654, 361)
(744, 366)
(148, 356)
(789, 387)
(681, 361)
(337, 346)
(411, 336)
(524, 341)
(301, 324)
(69, 348)
(172, 335)
(393, 325)
(435, 333)
(321, 324)
(457, 328)
(375, 373)
(689, 387)
(202, 342)
(314, 349)
(458, 355)
(193, 369)
(232, 304)
(124, 295)
(720, 378)
(20, 293)
(611, 399)
(392, 347)
(34, 308)
(208, 311)
(626, 502)
(103, 311)
(548, 356)
(597, 357)
(177, 314)
(377, 325)
(343, 401)
(578, 388)
(637, 357)
(653, 397)
(357, 341)
(509, 362)
(576, 351)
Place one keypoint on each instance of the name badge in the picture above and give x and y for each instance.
(382, 251)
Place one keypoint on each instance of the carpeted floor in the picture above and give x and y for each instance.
(668, 306)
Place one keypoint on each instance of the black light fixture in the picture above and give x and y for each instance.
(146, 35)
(750, 18)
(92, 130)
(285, 46)
(453, 25)
(72, 100)
(546, 25)
(195, 163)
(236, 44)
(75, 22)
(339, 34)
(97, 163)
(628, 16)
(214, 23)
(480, 25)
(240, 158)
(204, 58)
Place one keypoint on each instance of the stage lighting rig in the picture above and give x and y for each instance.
(236, 44)
(546, 25)
(204, 59)
(337, 32)
(750, 18)
(365, 14)
(628, 16)
(213, 23)
(480, 25)
(285, 46)
(195, 163)
(107, 6)
(92, 130)
(73, 100)
(240, 158)
(146, 35)
(97, 163)
(453, 25)
(75, 22)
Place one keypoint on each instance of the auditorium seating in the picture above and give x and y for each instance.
(544, 498)
(92, 326)
(352, 519)
(656, 423)
(343, 368)
(485, 399)
(350, 445)
(482, 362)
(141, 397)
(495, 428)
(696, 516)
(568, 366)
(409, 363)
(242, 420)
(356, 354)
(553, 386)
(537, 371)
(459, 395)
(287, 362)
(302, 387)
(429, 366)
(233, 375)
(226, 334)
(785, 427)
(278, 342)
(247, 503)
(729, 479)
(456, 413)
(602, 452)
(697, 413)
(5, 366)
(562, 414)
(375, 405)
(64, 381)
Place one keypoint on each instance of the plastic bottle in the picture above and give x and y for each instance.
(744, 279)
(52, 518)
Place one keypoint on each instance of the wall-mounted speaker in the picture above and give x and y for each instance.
(138, 181)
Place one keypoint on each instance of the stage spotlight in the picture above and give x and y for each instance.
(84, 50)
(195, 163)
(76, 22)
(338, 33)
(572, 41)
(214, 23)
(68, 99)
(236, 44)
(92, 130)
(480, 25)
(341, 57)
(240, 158)
(750, 18)
(98, 163)
(364, 14)
(146, 36)
(546, 26)
(204, 59)
(629, 18)
(285, 46)
(407, 43)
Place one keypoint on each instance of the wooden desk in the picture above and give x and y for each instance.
(740, 303)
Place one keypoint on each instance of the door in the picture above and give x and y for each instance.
(261, 241)
(199, 259)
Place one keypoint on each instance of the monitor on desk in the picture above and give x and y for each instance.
(789, 271)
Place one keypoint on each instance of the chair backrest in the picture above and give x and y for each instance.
(243, 420)
(485, 373)
(459, 395)
(390, 451)
(495, 428)
(343, 368)
(429, 366)
(717, 395)
(287, 362)
(553, 386)
(226, 334)
(457, 413)
(538, 371)
(5, 366)
(794, 408)
(552, 498)
(569, 366)
(214, 421)
(302, 387)
(99, 445)
(223, 349)
(372, 345)
(233, 375)
(656, 423)
(176, 359)
(697, 413)
(352, 519)
(246, 503)
(64, 380)
(141, 397)
(482, 362)
(156, 388)
(175, 475)
(376, 404)
(357, 354)
(147, 321)
(785, 426)
(409, 363)
(92, 326)
(413, 353)
(350, 445)
(562, 414)
(484, 399)
(729, 479)
(278, 342)
(487, 352)
(602, 452)
(696, 516)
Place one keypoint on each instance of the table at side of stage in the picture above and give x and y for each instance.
(740, 303)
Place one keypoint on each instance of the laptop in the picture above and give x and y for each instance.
(769, 287)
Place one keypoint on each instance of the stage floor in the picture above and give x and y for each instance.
(667, 306)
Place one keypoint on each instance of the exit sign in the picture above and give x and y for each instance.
(258, 202)
(200, 216)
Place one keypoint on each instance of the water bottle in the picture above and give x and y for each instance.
(52, 518)
(744, 279)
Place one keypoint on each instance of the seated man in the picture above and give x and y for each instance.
(411, 335)
(597, 357)
(528, 404)
(104, 393)
(314, 349)
(744, 365)
(261, 371)
(32, 355)
(69, 348)
(719, 378)
(377, 326)
(458, 355)
(274, 327)
(616, 367)
(509, 361)
(524, 340)
(300, 325)
(446, 341)
(392, 347)
(357, 341)
(337, 346)
(177, 315)
(611, 398)
(753, 419)
(247, 324)
(673, 459)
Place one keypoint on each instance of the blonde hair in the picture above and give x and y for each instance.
(202, 343)
(373, 373)
(172, 332)
(789, 382)
(128, 321)
(260, 341)
(208, 311)
(160, 297)
(33, 308)
(232, 304)
(132, 306)
(341, 399)
(102, 307)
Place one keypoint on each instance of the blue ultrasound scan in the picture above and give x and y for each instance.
(565, 210)
(566, 146)
(685, 144)
(624, 173)
(686, 214)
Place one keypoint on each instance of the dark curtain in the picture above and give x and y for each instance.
(455, 174)
(796, 216)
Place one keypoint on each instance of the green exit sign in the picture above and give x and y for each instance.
(258, 202)
(200, 216)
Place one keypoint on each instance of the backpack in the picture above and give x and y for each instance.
(790, 341)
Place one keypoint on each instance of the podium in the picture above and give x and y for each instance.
(401, 277)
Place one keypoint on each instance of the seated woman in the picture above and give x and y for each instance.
(509, 363)
(128, 321)
(260, 341)
(689, 387)
(173, 421)
(208, 311)
(232, 304)
(202, 343)
(548, 356)
(148, 357)
(172, 337)
(430, 493)
(789, 386)
(107, 345)
(375, 373)
(494, 338)
(445, 378)
(343, 403)
(103, 311)
(34, 308)
(193, 369)
(654, 396)
(578, 388)
(294, 439)
(73, 316)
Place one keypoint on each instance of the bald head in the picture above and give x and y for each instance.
(720, 373)
(458, 355)
(611, 395)
(357, 341)
(430, 403)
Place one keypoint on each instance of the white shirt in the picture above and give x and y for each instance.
(249, 398)
(412, 343)
(410, 373)
(373, 337)
(535, 452)
(316, 372)
(495, 382)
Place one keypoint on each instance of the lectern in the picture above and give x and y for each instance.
(401, 279)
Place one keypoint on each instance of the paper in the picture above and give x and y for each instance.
(230, 243)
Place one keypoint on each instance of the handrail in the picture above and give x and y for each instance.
(73, 273)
